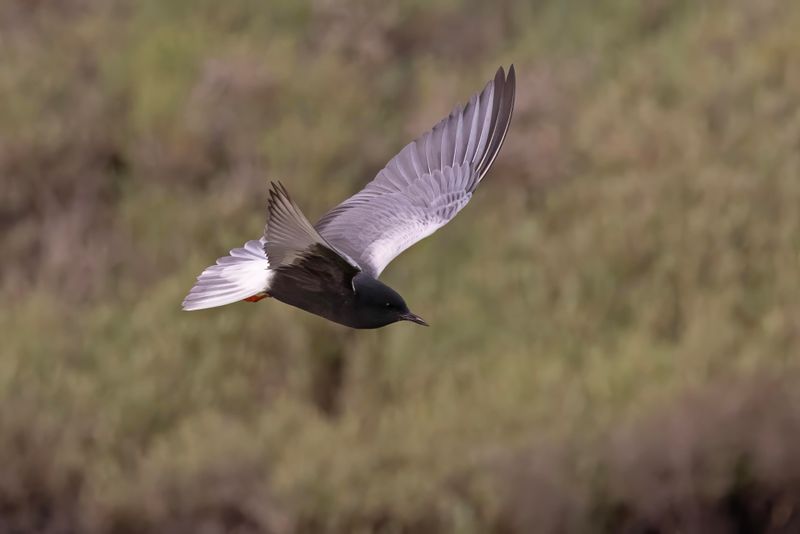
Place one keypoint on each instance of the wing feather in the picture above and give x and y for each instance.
(426, 184)
(459, 149)
(288, 233)
(475, 120)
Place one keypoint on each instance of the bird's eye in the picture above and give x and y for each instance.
(388, 305)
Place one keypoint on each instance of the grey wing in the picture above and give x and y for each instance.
(423, 187)
(288, 235)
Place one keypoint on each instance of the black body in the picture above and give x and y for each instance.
(322, 283)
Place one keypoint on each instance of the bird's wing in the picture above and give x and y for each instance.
(426, 184)
(293, 247)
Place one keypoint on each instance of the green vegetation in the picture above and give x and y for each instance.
(615, 316)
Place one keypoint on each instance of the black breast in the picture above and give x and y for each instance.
(320, 282)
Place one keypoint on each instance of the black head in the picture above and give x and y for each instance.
(378, 304)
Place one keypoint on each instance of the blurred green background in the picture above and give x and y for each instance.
(615, 317)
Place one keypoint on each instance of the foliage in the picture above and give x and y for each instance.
(615, 316)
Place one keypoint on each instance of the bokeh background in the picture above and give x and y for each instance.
(616, 315)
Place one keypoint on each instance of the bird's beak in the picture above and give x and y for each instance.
(414, 319)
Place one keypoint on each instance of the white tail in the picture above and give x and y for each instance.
(244, 273)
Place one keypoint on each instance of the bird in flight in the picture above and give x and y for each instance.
(331, 268)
